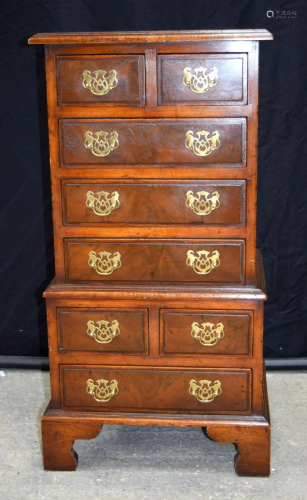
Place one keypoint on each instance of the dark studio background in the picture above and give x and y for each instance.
(25, 212)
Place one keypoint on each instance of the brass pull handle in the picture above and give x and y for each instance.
(100, 82)
(205, 391)
(103, 331)
(102, 203)
(202, 262)
(202, 144)
(101, 144)
(103, 262)
(202, 203)
(198, 80)
(102, 390)
(206, 333)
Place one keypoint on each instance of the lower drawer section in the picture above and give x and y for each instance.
(199, 391)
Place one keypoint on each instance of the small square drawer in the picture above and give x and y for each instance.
(155, 261)
(196, 391)
(103, 330)
(194, 333)
(202, 79)
(101, 80)
(153, 142)
(97, 202)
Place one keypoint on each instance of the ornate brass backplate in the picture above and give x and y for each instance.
(101, 144)
(203, 262)
(103, 331)
(202, 203)
(205, 391)
(198, 80)
(102, 390)
(102, 203)
(206, 333)
(104, 262)
(202, 144)
(100, 82)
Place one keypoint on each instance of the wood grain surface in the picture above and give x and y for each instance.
(154, 295)
(154, 142)
(155, 202)
(130, 75)
(176, 328)
(132, 326)
(156, 389)
(230, 88)
(155, 261)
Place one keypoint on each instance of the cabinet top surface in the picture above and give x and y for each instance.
(149, 36)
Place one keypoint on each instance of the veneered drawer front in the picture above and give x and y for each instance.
(103, 142)
(202, 79)
(103, 330)
(213, 261)
(100, 80)
(197, 391)
(209, 202)
(204, 332)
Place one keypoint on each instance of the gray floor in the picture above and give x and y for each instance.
(148, 463)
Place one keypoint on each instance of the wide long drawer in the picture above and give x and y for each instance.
(131, 202)
(201, 391)
(217, 261)
(184, 141)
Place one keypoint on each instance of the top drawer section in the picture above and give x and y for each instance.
(101, 80)
(182, 80)
(202, 79)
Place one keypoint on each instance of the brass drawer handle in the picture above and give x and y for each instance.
(206, 333)
(102, 390)
(205, 391)
(101, 145)
(103, 331)
(202, 263)
(103, 262)
(100, 82)
(198, 80)
(102, 203)
(202, 145)
(202, 203)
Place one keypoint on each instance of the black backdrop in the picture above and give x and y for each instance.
(25, 213)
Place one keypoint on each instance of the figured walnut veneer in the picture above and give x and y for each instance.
(155, 314)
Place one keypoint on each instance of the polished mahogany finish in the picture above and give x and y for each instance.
(155, 314)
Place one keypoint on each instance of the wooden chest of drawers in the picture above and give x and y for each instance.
(155, 314)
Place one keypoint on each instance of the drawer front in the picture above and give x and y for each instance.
(204, 332)
(215, 261)
(199, 202)
(202, 79)
(214, 140)
(103, 330)
(100, 80)
(197, 391)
